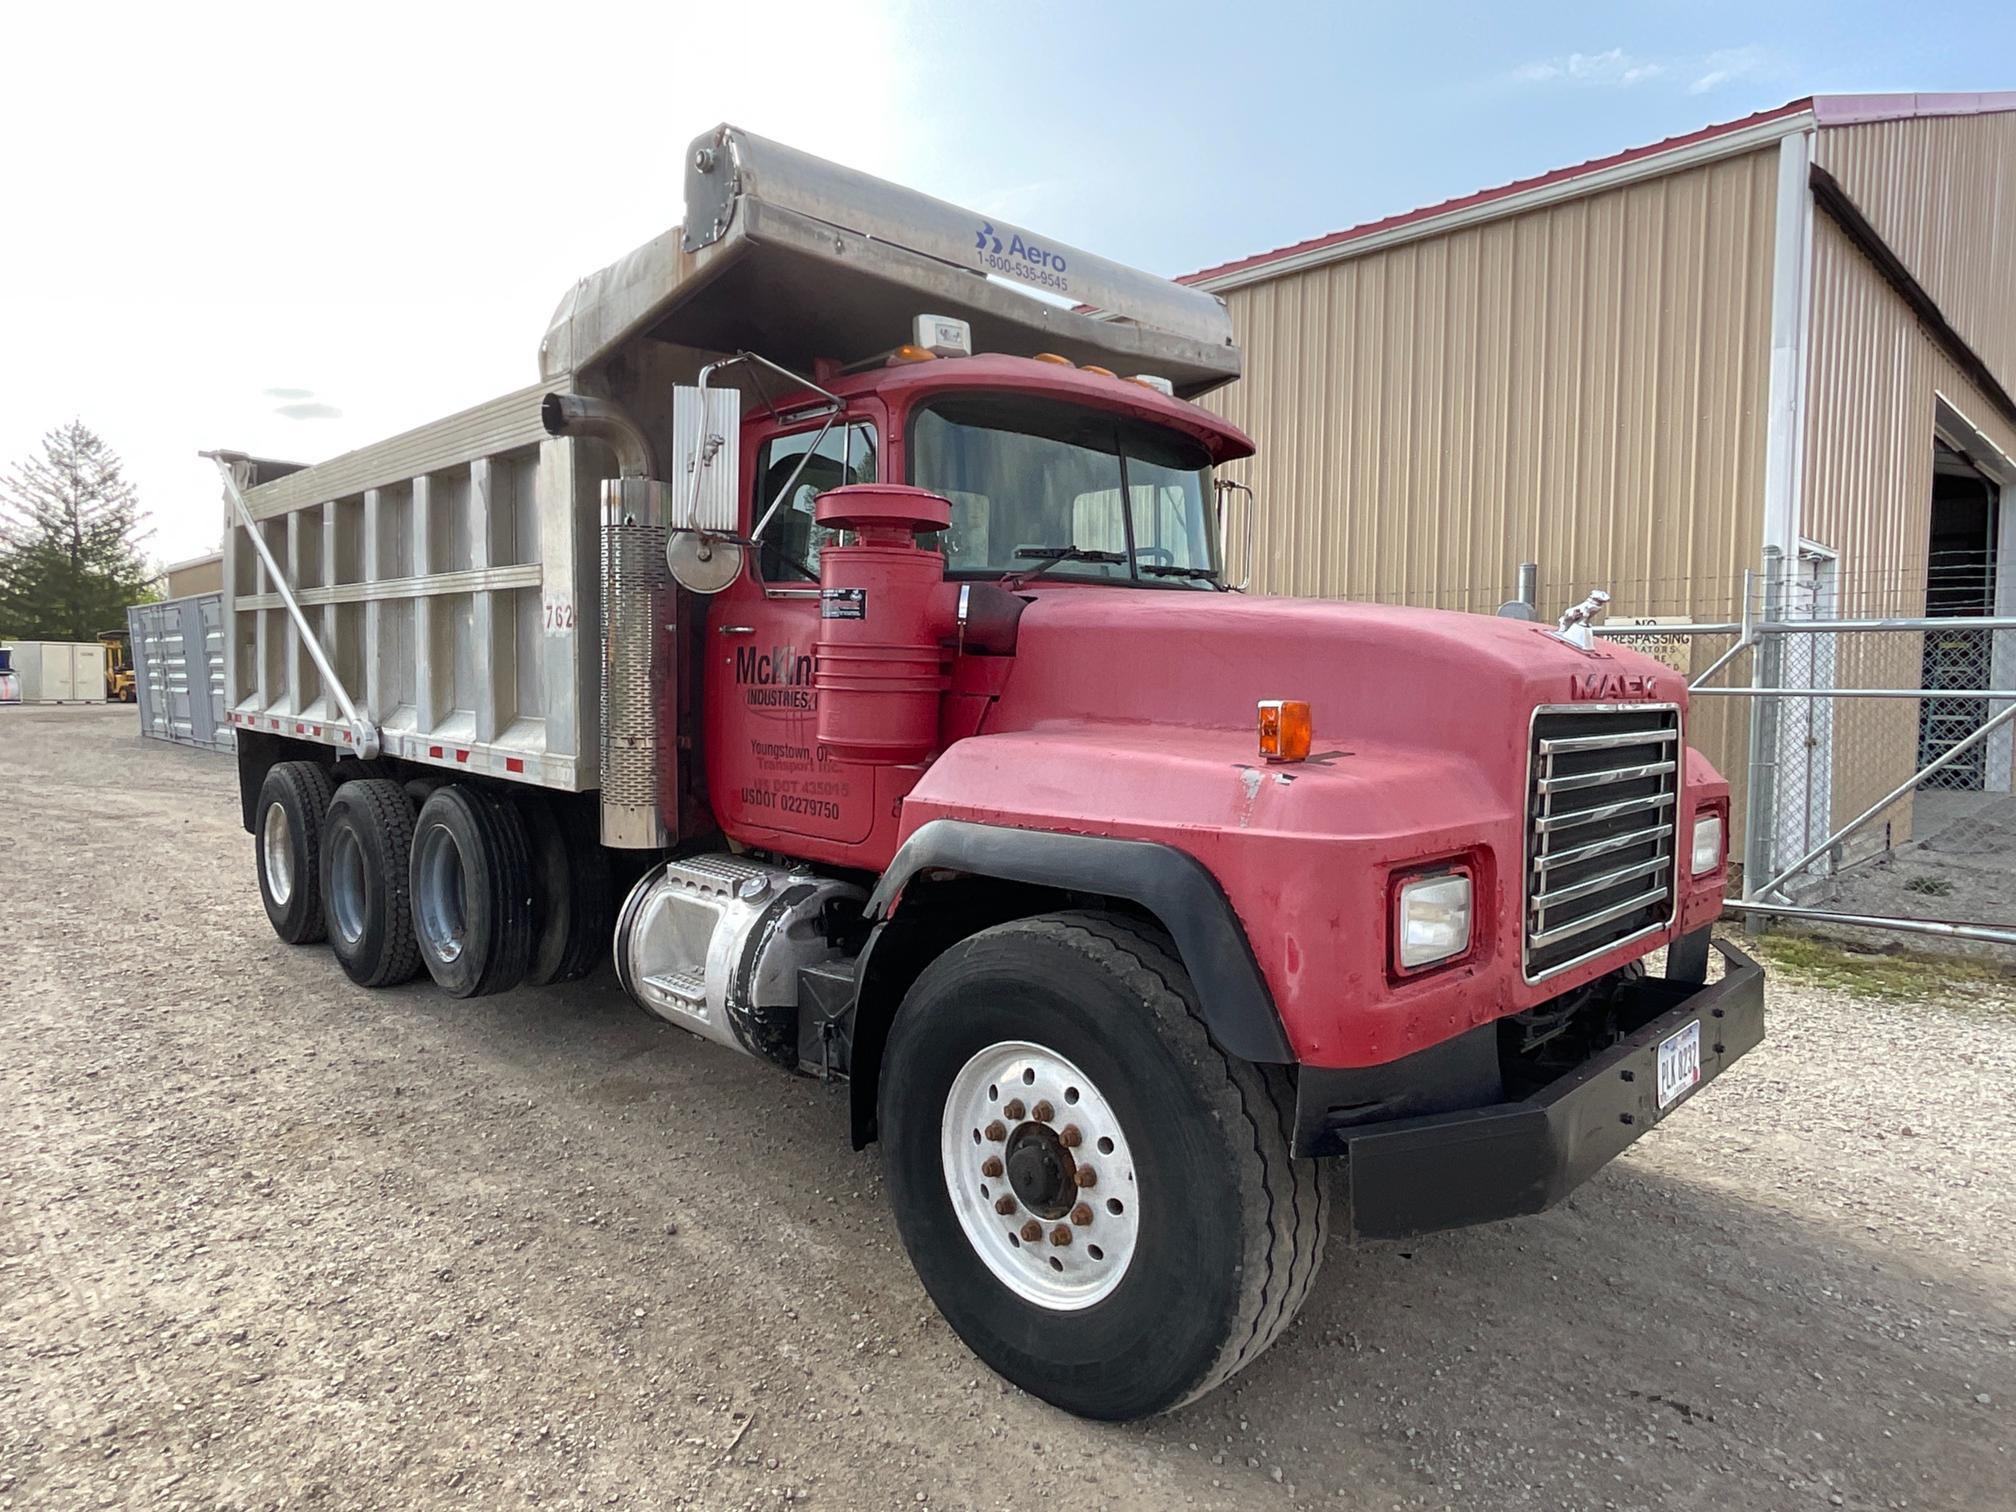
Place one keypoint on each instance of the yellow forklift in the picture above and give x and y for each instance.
(119, 684)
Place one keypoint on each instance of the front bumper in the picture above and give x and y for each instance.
(1445, 1170)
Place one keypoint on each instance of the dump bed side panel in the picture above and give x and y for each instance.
(450, 575)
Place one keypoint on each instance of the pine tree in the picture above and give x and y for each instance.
(70, 533)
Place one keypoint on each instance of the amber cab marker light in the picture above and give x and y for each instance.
(1053, 357)
(1284, 729)
(908, 353)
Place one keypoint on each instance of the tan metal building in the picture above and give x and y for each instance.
(1787, 333)
(201, 574)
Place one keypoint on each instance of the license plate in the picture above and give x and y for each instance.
(1679, 1064)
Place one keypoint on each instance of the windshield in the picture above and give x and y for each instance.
(1032, 478)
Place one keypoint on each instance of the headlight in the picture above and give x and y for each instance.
(1707, 844)
(1433, 919)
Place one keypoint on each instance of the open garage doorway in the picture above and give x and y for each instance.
(1964, 579)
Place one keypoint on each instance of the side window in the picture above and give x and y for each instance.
(792, 542)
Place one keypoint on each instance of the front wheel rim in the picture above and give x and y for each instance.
(1040, 1175)
(277, 835)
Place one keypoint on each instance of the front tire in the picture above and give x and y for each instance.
(287, 847)
(1197, 1235)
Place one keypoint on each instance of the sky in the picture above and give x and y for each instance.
(292, 230)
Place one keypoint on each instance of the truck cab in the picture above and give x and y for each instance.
(1034, 456)
(844, 645)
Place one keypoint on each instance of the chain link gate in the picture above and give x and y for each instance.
(1867, 736)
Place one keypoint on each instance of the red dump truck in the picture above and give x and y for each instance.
(841, 638)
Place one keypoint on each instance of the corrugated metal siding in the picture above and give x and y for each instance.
(1873, 381)
(1942, 192)
(1583, 386)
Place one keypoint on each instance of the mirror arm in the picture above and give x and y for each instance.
(711, 445)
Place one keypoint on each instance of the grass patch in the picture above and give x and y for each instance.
(1895, 975)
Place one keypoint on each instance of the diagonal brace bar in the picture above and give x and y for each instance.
(1889, 798)
(363, 733)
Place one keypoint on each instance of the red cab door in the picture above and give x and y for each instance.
(766, 772)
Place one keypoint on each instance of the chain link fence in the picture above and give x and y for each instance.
(1853, 711)
(1864, 722)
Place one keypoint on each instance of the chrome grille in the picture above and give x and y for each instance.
(1602, 789)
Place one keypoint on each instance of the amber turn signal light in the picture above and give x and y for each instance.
(1284, 729)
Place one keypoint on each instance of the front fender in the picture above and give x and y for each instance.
(1302, 855)
(1170, 884)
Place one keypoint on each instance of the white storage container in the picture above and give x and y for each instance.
(59, 671)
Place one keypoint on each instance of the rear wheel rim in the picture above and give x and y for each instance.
(347, 904)
(440, 907)
(1040, 1175)
(277, 835)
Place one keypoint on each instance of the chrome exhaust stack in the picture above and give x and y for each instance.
(636, 601)
(584, 415)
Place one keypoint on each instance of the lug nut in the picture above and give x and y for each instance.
(1013, 1108)
(996, 1131)
(1082, 1214)
(1042, 1112)
(1087, 1177)
(1004, 1205)
(1031, 1231)
(1070, 1137)
(991, 1166)
(1060, 1235)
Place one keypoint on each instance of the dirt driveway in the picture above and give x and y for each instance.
(269, 1239)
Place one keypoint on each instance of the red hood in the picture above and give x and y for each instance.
(1402, 677)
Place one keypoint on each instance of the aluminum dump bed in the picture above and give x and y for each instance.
(448, 580)
(443, 573)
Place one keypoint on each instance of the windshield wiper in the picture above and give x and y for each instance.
(1050, 556)
(1192, 574)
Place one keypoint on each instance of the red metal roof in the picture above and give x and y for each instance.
(1827, 110)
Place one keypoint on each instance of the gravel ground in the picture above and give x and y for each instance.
(268, 1239)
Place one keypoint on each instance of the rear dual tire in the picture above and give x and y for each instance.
(485, 891)
(294, 800)
(367, 846)
(573, 895)
(472, 891)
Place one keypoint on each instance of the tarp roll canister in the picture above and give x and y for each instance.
(885, 611)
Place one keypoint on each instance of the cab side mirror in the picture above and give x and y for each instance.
(1225, 489)
(706, 462)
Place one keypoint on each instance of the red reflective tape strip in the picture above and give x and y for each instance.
(434, 751)
(461, 755)
(514, 763)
